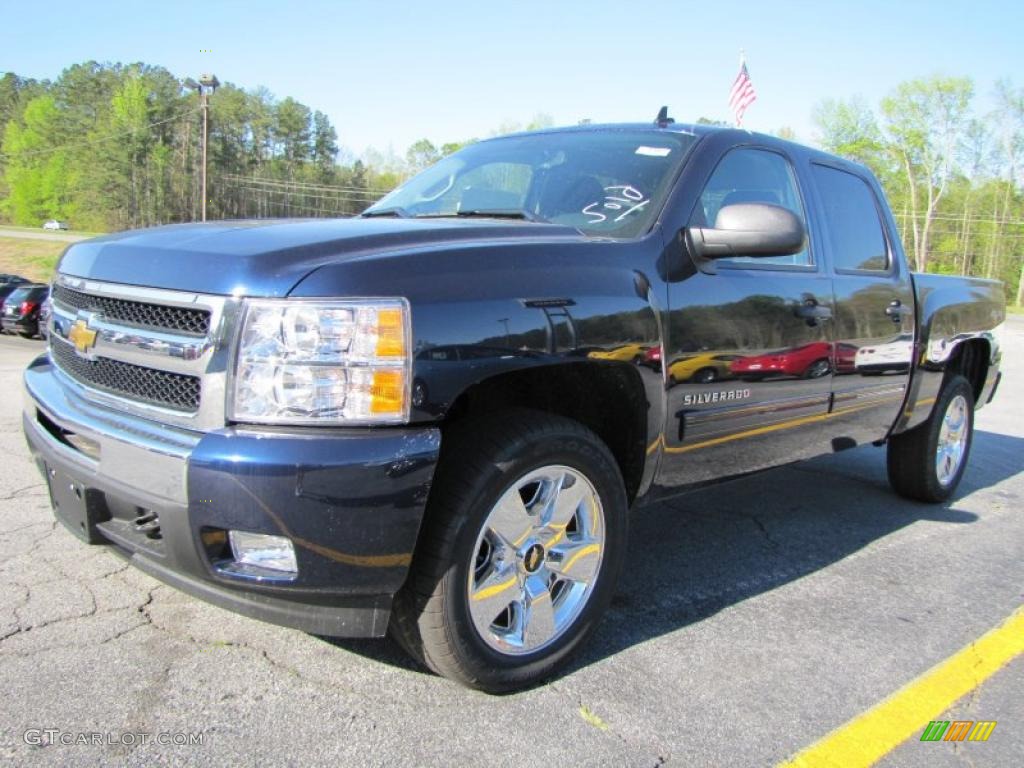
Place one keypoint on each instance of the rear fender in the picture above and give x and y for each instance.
(952, 312)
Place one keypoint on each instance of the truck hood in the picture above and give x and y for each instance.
(269, 257)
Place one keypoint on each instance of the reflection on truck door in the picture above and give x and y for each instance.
(769, 318)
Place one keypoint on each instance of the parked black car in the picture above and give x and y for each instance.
(8, 283)
(19, 312)
(44, 315)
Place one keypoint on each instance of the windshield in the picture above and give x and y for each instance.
(608, 183)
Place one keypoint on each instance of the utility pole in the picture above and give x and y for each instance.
(207, 84)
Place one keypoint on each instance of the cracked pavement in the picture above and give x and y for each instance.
(753, 618)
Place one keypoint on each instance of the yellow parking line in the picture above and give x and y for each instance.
(870, 736)
(587, 550)
(494, 589)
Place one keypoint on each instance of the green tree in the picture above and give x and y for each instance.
(421, 155)
(325, 145)
(15, 93)
(36, 172)
(1009, 126)
(292, 133)
(122, 142)
(452, 147)
(849, 128)
(924, 120)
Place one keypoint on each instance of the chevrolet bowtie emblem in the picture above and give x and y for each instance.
(82, 336)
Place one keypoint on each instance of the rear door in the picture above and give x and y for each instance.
(762, 325)
(874, 300)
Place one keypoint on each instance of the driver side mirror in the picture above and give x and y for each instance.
(748, 229)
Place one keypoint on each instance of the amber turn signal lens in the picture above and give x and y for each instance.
(387, 392)
(390, 333)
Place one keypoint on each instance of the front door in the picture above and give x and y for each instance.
(748, 357)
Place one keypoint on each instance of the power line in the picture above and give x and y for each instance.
(301, 184)
(340, 195)
(306, 209)
(101, 139)
(304, 196)
(949, 217)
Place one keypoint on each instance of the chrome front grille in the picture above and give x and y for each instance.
(162, 388)
(157, 353)
(195, 322)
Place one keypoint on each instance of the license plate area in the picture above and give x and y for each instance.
(79, 508)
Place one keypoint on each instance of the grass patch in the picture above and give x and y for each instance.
(1018, 310)
(34, 259)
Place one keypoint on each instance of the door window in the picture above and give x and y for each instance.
(855, 236)
(752, 176)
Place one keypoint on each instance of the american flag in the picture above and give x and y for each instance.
(742, 94)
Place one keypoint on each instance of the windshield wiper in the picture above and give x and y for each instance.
(485, 213)
(396, 211)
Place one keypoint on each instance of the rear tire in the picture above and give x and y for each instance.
(465, 565)
(927, 462)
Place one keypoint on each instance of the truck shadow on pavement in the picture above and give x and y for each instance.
(697, 554)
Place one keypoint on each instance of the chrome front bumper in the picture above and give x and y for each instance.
(351, 500)
(131, 452)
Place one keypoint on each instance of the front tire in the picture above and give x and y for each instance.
(818, 368)
(522, 545)
(927, 462)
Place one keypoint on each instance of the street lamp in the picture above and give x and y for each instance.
(207, 84)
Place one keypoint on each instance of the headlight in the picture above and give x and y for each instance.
(340, 362)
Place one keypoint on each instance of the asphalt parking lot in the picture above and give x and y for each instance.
(754, 618)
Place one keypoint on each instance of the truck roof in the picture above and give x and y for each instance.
(699, 129)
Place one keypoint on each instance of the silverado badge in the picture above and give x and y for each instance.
(82, 336)
(704, 398)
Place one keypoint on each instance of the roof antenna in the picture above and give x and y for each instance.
(663, 120)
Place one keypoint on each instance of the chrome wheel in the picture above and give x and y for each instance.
(818, 369)
(536, 560)
(949, 452)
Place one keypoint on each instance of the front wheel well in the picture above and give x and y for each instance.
(607, 398)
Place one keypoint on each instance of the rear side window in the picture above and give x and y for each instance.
(855, 236)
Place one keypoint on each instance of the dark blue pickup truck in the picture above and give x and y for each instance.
(433, 418)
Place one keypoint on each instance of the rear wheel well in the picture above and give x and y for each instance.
(970, 359)
(607, 398)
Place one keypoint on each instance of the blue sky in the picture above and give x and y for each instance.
(388, 73)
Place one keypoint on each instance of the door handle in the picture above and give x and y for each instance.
(813, 312)
(896, 310)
